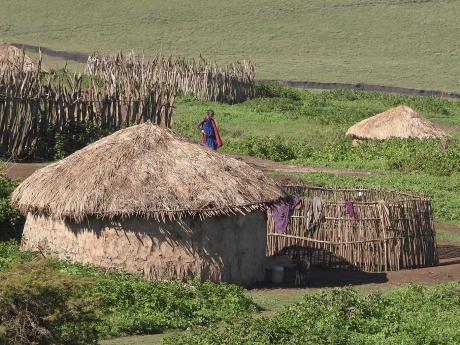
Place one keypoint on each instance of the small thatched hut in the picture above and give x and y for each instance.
(399, 122)
(145, 199)
(12, 55)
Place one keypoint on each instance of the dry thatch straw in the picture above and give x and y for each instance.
(399, 122)
(15, 57)
(147, 171)
(200, 78)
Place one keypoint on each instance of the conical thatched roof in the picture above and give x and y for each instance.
(148, 171)
(399, 122)
(12, 55)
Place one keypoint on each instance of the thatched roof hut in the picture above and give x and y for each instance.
(12, 55)
(147, 199)
(399, 122)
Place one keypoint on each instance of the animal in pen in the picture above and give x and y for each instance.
(302, 274)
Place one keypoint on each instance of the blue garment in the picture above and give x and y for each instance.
(210, 135)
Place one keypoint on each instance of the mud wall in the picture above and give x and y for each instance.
(230, 249)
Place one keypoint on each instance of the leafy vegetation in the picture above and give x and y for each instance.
(411, 315)
(10, 220)
(59, 143)
(52, 301)
(39, 305)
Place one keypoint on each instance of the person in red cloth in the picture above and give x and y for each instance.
(210, 134)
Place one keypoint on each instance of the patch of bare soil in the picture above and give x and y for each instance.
(266, 165)
(447, 127)
(20, 171)
(447, 270)
(448, 227)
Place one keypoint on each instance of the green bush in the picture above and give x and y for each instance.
(11, 221)
(124, 304)
(137, 306)
(404, 155)
(277, 90)
(41, 306)
(75, 136)
(58, 143)
(274, 104)
(266, 147)
(412, 315)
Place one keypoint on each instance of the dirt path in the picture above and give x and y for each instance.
(266, 165)
(20, 171)
(447, 270)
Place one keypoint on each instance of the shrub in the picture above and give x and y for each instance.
(11, 221)
(271, 148)
(274, 104)
(412, 315)
(120, 303)
(58, 143)
(75, 136)
(41, 306)
(275, 89)
(137, 306)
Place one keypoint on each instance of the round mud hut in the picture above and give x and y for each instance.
(399, 122)
(146, 200)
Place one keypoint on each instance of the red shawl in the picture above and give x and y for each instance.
(216, 133)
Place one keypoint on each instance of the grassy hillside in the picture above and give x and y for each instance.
(411, 43)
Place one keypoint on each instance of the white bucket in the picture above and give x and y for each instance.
(277, 274)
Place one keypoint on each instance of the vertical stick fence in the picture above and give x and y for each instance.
(390, 230)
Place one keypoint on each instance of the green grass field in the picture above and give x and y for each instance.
(411, 43)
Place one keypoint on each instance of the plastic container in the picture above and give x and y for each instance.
(277, 274)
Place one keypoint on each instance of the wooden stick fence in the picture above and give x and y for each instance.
(32, 102)
(233, 83)
(390, 231)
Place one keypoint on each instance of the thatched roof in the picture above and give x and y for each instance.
(12, 55)
(399, 122)
(148, 171)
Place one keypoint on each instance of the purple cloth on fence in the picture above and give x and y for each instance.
(349, 209)
(281, 213)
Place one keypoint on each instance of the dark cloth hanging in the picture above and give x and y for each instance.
(349, 209)
(281, 213)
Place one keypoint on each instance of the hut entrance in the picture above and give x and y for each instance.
(363, 229)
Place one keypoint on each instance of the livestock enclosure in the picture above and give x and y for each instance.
(366, 229)
(199, 78)
(32, 102)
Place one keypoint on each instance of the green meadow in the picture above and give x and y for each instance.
(410, 43)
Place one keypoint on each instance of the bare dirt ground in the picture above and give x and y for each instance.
(447, 270)
(266, 165)
(20, 171)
